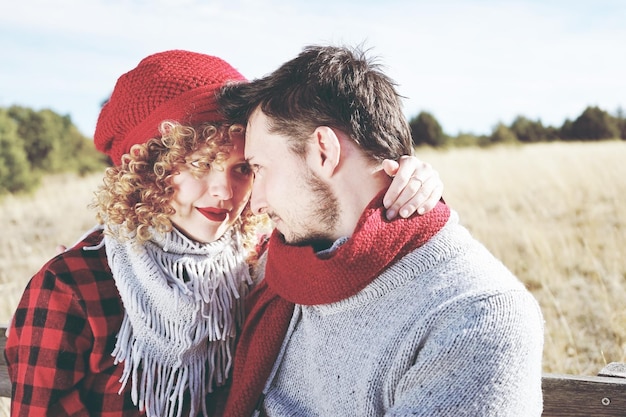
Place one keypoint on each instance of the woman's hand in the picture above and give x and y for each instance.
(416, 187)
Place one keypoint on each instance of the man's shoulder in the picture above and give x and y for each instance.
(453, 262)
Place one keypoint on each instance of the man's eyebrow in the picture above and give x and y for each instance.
(254, 167)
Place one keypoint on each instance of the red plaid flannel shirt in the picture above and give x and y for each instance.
(61, 338)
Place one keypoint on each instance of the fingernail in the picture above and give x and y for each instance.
(421, 210)
(386, 203)
(391, 214)
(404, 213)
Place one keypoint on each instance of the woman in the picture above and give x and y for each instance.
(140, 317)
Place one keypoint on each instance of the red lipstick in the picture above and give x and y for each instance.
(213, 214)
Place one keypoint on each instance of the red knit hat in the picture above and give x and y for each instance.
(172, 85)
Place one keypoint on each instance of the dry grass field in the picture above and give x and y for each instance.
(555, 214)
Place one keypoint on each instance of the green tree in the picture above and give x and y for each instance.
(53, 144)
(566, 130)
(595, 124)
(529, 131)
(30, 128)
(501, 135)
(80, 153)
(464, 140)
(426, 130)
(621, 122)
(15, 172)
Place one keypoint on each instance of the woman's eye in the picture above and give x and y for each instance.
(200, 164)
(244, 169)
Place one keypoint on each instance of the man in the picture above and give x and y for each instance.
(367, 317)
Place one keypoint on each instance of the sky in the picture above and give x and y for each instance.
(470, 63)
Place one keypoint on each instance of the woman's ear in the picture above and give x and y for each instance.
(326, 150)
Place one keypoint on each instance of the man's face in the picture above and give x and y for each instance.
(301, 206)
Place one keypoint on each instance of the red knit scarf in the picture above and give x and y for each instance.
(294, 274)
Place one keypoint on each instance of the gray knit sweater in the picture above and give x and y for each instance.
(445, 331)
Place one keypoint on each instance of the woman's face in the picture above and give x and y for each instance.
(209, 199)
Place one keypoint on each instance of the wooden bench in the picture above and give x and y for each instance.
(586, 396)
(5, 384)
(563, 395)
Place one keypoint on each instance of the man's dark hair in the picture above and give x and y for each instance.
(329, 86)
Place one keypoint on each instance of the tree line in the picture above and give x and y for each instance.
(593, 124)
(35, 143)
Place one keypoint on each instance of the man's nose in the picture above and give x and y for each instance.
(258, 204)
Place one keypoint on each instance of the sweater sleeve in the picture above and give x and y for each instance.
(47, 348)
(482, 358)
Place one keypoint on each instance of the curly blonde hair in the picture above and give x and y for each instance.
(136, 194)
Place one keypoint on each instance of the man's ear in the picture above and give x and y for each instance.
(327, 150)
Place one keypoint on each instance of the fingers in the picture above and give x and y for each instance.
(391, 167)
(426, 197)
(416, 187)
(419, 196)
(401, 172)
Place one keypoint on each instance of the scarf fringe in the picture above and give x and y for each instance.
(182, 311)
(159, 389)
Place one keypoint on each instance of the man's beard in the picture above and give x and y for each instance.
(324, 218)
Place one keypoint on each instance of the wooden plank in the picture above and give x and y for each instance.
(583, 396)
(5, 383)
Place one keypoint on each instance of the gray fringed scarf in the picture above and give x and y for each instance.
(183, 302)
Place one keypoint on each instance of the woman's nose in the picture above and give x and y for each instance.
(220, 185)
